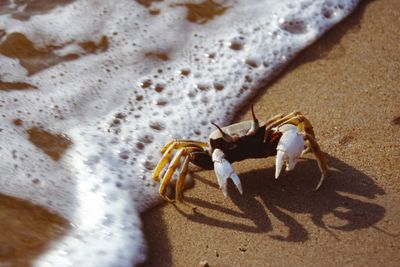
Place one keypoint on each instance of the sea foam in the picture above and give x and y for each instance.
(92, 89)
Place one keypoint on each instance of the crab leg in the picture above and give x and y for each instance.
(274, 118)
(169, 148)
(282, 120)
(182, 143)
(322, 164)
(181, 179)
(168, 174)
(171, 169)
(306, 126)
(163, 162)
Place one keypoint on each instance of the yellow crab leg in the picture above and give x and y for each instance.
(322, 164)
(169, 148)
(168, 174)
(306, 125)
(301, 122)
(298, 120)
(274, 118)
(181, 180)
(167, 145)
(286, 119)
(183, 143)
(171, 169)
(162, 162)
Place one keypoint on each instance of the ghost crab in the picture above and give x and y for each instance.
(282, 135)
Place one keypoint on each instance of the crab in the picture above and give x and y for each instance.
(285, 136)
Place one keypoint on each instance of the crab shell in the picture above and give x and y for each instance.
(245, 142)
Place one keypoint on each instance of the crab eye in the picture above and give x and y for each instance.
(227, 138)
(255, 125)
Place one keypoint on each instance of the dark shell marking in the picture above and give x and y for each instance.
(244, 146)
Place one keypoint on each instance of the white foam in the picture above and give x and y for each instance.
(119, 106)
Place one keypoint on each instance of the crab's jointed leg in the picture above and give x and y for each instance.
(184, 152)
(180, 183)
(179, 143)
(274, 118)
(163, 161)
(169, 148)
(279, 120)
(322, 164)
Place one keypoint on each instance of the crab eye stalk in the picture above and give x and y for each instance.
(254, 124)
(225, 136)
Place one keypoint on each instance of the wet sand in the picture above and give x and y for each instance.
(26, 231)
(347, 84)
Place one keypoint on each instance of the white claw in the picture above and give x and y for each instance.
(289, 148)
(280, 158)
(223, 169)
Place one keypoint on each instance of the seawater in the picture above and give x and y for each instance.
(90, 90)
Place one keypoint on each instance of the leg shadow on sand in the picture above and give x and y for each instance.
(343, 203)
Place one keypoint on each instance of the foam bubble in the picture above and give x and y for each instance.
(90, 90)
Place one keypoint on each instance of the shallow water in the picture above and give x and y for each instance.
(90, 90)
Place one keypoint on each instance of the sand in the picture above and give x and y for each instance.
(347, 84)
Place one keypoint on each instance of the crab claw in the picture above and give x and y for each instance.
(289, 148)
(224, 171)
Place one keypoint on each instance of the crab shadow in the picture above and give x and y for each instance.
(346, 195)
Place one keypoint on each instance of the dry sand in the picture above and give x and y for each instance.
(348, 85)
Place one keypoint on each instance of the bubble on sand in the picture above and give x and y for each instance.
(159, 88)
(184, 72)
(237, 43)
(218, 86)
(157, 125)
(146, 83)
(252, 63)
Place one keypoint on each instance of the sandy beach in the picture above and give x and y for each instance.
(347, 84)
